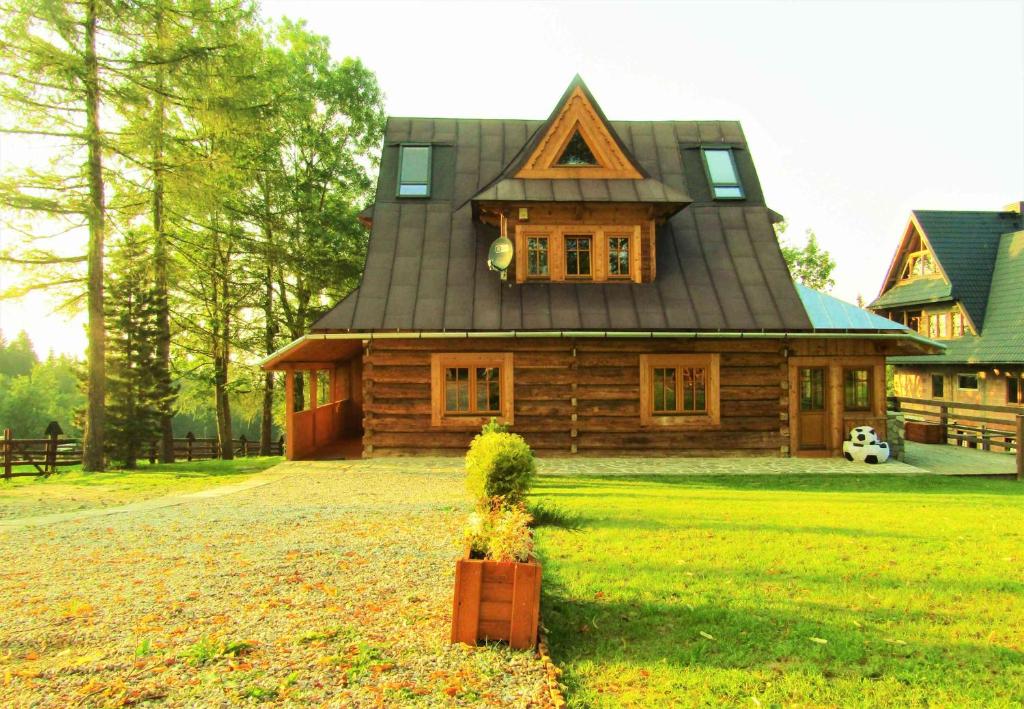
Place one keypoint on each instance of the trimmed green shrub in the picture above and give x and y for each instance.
(494, 426)
(499, 464)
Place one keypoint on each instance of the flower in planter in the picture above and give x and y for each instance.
(500, 532)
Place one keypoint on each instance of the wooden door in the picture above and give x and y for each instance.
(812, 426)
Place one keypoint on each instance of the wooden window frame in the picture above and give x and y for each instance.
(607, 236)
(430, 171)
(871, 403)
(599, 235)
(440, 361)
(711, 365)
(582, 233)
(547, 247)
(914, 262)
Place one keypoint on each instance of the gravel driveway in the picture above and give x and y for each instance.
(329, 586)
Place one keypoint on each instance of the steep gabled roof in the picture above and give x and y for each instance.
(964, 245)
(1002, 340)
(718, 266)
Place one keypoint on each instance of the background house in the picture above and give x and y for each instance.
(958, 277)
(648, 309)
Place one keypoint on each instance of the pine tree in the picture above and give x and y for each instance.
(137, 392)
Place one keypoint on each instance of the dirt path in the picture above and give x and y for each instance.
(330, 584)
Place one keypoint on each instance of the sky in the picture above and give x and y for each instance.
(855, 112)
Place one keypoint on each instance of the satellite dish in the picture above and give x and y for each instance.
(499, 256)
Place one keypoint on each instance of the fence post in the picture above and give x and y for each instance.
(190, 438)
(53, 430)
(1020, 447)
(245, 445)
(280, 445)
(984, 437)
(8, 453)
(944, 422)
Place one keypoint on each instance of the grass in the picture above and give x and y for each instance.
(74, 490)
(786, 590)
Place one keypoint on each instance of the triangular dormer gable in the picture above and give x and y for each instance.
(914, 258)
(577, 142)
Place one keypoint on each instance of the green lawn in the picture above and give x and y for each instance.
(73, 490)
(786, 590)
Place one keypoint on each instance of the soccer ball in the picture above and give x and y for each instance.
(863, 435)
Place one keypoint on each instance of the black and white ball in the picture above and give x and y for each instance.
(863, 435)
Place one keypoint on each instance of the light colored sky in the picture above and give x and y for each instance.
(856, 112)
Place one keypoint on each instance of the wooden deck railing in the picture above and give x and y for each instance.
(983, 426)
(43, 456)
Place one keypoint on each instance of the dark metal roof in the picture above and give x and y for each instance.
(718, 266)
(646, 190)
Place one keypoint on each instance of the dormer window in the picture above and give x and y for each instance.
(577, 256)
(414, 171)
(722, 173)
(577, 153)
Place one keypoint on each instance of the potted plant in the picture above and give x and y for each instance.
(497, 582)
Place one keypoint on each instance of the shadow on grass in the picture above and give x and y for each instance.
(587, 635)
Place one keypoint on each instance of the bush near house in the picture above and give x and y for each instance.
(499, 464)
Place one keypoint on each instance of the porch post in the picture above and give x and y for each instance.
(313, 402)
(289, 413)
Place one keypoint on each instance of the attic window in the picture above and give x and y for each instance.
(577, 152)
(918, 263)
(722, 173)
(414, 171)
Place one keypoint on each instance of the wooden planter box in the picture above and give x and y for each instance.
(496, 600)
(921, 432)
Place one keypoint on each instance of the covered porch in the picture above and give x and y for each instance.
(323, 397)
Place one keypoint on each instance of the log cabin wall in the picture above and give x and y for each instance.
(580, 396)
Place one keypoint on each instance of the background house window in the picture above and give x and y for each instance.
(537, 257)
(967, 382)
(918, 263)
(957, 319)
(722, 173)
(938, 386)
(467, 389)
(943, 326)
(1015, 391)
(933, 326)
(414, 171)
(618, 256)
(679, 390)
(577, 256)
(857, 389)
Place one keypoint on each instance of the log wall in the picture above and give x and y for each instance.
(580, 396)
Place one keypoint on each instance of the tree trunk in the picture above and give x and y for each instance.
(93, 435)
(267, 419)
(163, 317)
(221, 362)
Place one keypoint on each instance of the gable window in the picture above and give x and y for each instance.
(467, 389)
(679, 390)
(537, 257)
(618, 257)
(1015, 391)
(933, 326)
(577, 256)
(918, 263)
(414, 171)
(722, 174)
(857, 389)
(967, 382)
(577, 153)
(938, 386)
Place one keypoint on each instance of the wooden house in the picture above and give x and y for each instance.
(647, 309)
(958, 277)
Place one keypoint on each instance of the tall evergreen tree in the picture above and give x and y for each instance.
(136, 390)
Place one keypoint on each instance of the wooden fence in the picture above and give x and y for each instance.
(981, 426)
(43, 456)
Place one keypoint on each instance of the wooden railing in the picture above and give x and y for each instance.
(43, 456)
(983, 426)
